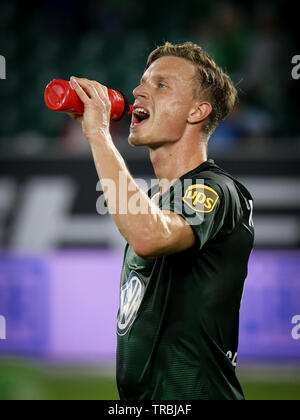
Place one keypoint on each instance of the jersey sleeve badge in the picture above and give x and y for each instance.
(201, 198)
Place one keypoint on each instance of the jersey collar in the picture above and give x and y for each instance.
(202, 167)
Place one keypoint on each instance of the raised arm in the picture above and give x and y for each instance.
(152, 233)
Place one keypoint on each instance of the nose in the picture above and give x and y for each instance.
(140, 91)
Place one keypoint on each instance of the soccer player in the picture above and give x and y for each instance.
(187, 252)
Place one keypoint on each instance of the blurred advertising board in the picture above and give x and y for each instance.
(64, 305)
(50, 203)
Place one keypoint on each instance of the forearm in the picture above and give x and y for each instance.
(139, 228)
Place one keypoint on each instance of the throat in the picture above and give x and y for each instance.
(165, 165)
(170, 163)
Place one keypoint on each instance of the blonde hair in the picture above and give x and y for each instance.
(211, 83)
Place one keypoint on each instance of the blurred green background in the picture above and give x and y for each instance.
(109, 41)
(28, 380)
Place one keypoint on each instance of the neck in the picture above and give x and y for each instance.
(173, 160)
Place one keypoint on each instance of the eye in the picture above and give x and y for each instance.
(161, 85)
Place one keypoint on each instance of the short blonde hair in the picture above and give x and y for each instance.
(211, 82)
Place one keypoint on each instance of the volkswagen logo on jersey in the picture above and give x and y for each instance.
(132, 294)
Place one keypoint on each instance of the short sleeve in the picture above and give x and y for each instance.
(201, 203)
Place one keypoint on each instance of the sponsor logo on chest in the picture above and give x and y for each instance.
(132, 293)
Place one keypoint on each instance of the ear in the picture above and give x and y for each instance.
(199, 112)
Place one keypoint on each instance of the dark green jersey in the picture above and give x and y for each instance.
(179, 315)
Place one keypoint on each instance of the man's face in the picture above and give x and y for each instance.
(166, 96)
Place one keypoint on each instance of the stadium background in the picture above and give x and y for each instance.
(60, 261)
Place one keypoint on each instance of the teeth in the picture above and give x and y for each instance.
(141, 110)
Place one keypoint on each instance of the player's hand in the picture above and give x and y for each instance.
(95, 120)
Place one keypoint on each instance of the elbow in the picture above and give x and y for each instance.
(152, 243)
(145, 250)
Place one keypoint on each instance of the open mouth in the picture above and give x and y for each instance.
(139, 117)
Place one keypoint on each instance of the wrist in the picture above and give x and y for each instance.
(98, 136)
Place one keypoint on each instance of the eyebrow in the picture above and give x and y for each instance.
(157, 78)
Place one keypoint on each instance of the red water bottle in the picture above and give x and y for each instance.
(61, 97)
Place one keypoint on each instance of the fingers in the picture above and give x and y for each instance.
(79, 90)
(102, 93)
(90, 90)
